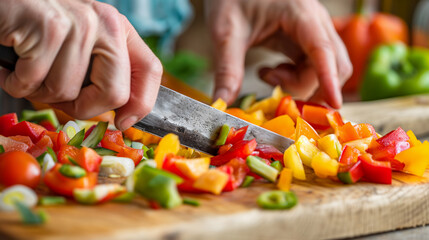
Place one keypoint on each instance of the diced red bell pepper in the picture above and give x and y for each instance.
(388, 153)
(188, 186)
(268, 152)
(41, 146)
(11, 145)
(170, 166)
(241, 149)
(350, 173)
(300, 105)
(62, 139)
(224, 148)
(335, 120)
(88, 159)
(365, 130)
(376, 171)
(398, 135)
(65, 152)
(316, 116)
(235, 136)
(24, 128)
(23, 139)
(48, 125)
(348, 133)
(237, 170)
(7, 121)
(113, 140)
(135, 154)
(349, 155)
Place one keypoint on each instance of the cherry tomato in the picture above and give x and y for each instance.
(19, 168)
(63, 185)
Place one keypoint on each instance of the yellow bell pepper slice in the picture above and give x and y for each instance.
(361, 144)
(220, 105)
(212, 181)
(330, 145)
(416, 159)
(306, 149)
(259, 117)
(278, 93)
(285, 179)
(193, 168)
(169, 144)
(324, 166)
(282, 125)
(268, 107)
(292, 160)
(413, 139)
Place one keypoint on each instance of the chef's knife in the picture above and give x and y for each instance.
(196, 123)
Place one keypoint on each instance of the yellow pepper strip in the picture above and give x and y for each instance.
(212, 181)
(285, 179)
(278, 93)
(220, 105)
(259, 117)
(413, 139)
(193, 168)
(330, 145)
(282, 125)
(237, 112)
(306, 149)
(416, 159)
(169, 144)
(292, 160)
(360, 144)
(324, 166)
(268, 106)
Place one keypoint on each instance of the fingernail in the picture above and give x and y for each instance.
(222, 93)
(127, 123)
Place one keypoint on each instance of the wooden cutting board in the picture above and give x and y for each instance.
(326, 209)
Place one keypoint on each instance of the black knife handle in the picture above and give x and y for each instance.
(8, 59)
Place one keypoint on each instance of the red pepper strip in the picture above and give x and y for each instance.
(89, 131)
(41, 146)
(235, 136)
(376, 171)
(268, 152)
(241, 149)
(7, 121)
(88, 159)
(113, 140)
(24, 128)
(237, 170)
(348, 133)
(135, 154)
(388, 153)
(300, 105)
(349, 155)
(397, 135)
(65, 152)
(48, 125)
(350, 173)
(188, 186)
(224, 148)
(169, 165)
(335, 120)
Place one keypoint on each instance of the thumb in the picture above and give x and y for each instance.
(230, 50)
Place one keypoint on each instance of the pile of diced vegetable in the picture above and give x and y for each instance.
(69, 159)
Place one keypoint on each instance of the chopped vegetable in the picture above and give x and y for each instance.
(1, 149)
(262, 169)
(277, 200)
(121, 166)
(223, 134)
(99, 194)
(277, 165)
(285, 179)
(350, 173)
(292, 160)
(192, 202)
(95, 137)
(72, 171)
(28, 216)
(168, 144)
(104, 151)
(212, 181)
(77, 139)
(17, 193)
(247, 181)
(39, 116)
(52, 200)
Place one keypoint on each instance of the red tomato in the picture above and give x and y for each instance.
(63, 185)
(19, 168)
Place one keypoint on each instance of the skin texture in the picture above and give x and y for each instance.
(300, 29)
(55, 41)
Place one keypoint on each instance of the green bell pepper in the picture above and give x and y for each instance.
(395, 70)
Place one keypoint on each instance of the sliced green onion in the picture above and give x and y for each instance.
(71, 129)
(247, 181)
(52, 200)
(20, 193)
(150, 153)
(96, 135)
(51, 152)
(47, 163)
(38, 116)
(72, 161)
(72, 171)
(137, 145)
(277, 200)
(127, 142)
(1, 149)
(28, 216)
(262, 169)
(125, 197)
(277, 165)
(192, 202)
(105, 152)
(77, 139)
(247, 101)
(223, 135)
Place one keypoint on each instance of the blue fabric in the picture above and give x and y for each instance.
(163, 18)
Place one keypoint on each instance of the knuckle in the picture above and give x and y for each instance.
(155, 68)
(57, 26)
(116, 99)
(345, 70)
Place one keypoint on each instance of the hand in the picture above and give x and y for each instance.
(55, 41)
(300, 29)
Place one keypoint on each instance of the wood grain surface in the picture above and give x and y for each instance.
(326, 209)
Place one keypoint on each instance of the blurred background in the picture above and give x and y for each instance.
(176, 31)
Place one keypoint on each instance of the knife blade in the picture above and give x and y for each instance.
(197, 124)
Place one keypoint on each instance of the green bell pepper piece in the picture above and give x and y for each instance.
(395, 70)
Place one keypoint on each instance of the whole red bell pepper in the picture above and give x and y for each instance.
(376, 171)
(241, 149)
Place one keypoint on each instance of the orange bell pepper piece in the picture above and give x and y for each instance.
(134, 134)
(169, 144)
(304, 128)
(282, 125)
(316, 116)
(287, 106)
(212, 181)
(416, 159)
(237, 112)
(285, 179)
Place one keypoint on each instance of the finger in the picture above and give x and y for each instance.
(36, 55)
(110, 74)
(146, 73)
(318, 47)
(64, 80)
(230, 44)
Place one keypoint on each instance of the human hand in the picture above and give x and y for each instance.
(300, 29)
(56, 40)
